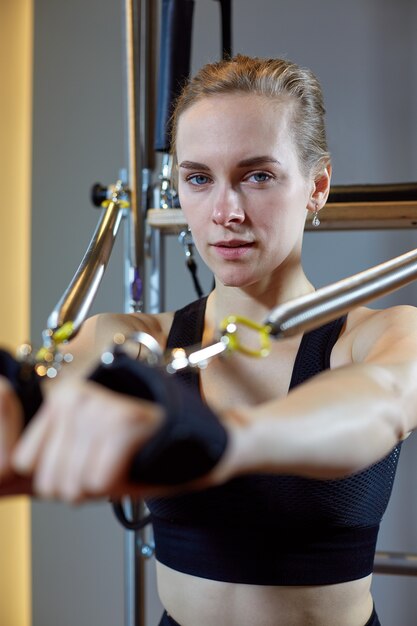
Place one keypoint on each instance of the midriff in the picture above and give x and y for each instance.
(193, 601)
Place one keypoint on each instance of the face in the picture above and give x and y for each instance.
(241, 186)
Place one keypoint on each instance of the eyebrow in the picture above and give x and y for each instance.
(193, 165)
(258, 160)
(250, 162)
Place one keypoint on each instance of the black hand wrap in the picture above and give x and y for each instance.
(25, 383)
(190, 441)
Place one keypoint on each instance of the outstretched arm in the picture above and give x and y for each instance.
(11, 425)
(128, 424)
(338, 423)
(343, 419)
(18, 403)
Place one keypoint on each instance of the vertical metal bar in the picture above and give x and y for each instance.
(157, 272)
(134, 569)
(133, 54)
(134, 574)
(140, 30)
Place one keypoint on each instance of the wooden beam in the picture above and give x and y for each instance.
(366, 216)
(334, 216)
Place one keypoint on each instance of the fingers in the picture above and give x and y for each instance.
(129, 431)
(28, 449)
(11, 424)
(82, 440)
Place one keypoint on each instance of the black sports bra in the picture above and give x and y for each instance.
(274, 529)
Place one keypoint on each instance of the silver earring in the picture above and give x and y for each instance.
(315, 221)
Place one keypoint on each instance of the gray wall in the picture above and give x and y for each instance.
(78, 129)
(365, 53)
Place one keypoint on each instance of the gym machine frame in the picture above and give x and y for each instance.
(349, 208)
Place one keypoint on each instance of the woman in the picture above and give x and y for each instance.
(282, 544)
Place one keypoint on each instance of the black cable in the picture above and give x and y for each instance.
(192, 267)
(129, 524)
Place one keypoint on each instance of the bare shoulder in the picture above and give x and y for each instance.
(108, 324)
(97, 334)
(372, 332)
(158, 325)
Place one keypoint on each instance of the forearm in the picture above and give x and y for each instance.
(128, 425)
(337, 424)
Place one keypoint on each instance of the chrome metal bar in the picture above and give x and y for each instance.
(157, 272)
(140, 28)
(134, 572)
(395, 563)
(140, 33)
(132, 34)
(310, 311)
(79, 295)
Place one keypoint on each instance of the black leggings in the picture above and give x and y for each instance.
(373, 620)
(168, 621)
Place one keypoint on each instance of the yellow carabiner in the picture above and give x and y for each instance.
(63, 333)
(229, 329)
(58, 336)
(124, 204)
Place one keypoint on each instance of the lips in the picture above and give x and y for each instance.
(233, 248)
(233, 243)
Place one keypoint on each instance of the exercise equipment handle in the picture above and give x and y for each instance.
(317, 308)
(76, 301)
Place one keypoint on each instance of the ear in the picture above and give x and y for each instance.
(320, 189)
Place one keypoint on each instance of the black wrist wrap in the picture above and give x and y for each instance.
(190, 441)
(25, 383)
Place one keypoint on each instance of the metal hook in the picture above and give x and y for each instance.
(186, 240)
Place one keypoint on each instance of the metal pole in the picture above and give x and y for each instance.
(76, 301)
(395, 563)
(139, 24)
(327, 303)
(140, 34)
(134, 573)
(157, 272)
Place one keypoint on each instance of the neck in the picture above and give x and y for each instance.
(256, 301)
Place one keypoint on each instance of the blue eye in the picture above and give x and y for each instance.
(198, 179)
(260, 177)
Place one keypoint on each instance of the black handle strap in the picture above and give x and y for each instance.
(191, 440)
(25, 382)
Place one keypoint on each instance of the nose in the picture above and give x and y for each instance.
(227, 208)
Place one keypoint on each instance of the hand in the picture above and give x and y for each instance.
(11, 425)
(81, 442)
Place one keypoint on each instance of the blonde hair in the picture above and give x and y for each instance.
(273, 79)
